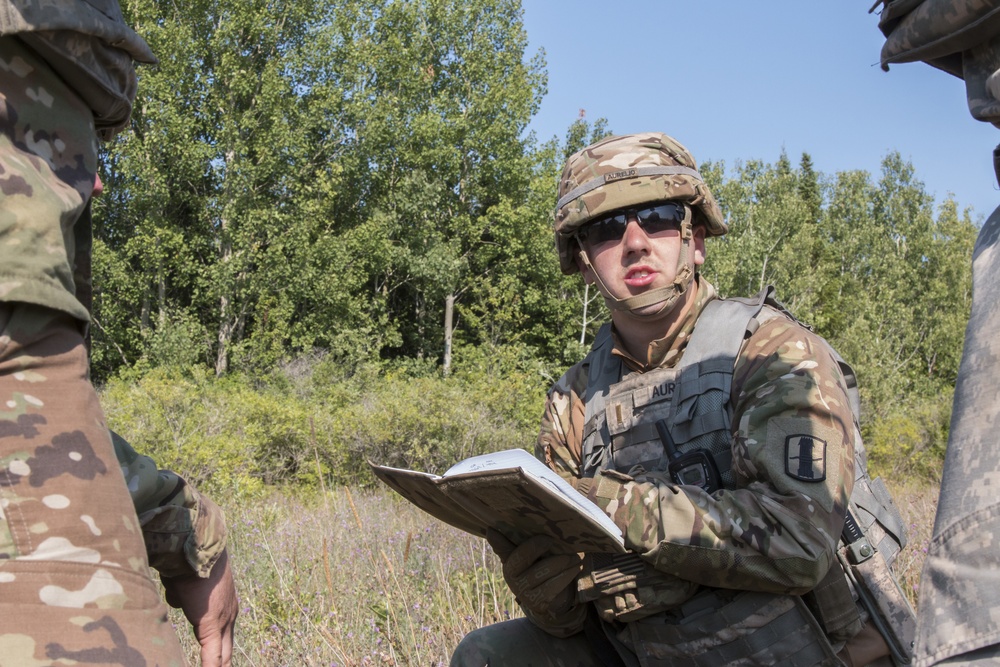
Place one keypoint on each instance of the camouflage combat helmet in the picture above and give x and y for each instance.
(630, 170)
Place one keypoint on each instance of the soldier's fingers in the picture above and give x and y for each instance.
(499, 543)
(525, 554)
(555, 590)
(558, 565)
(562, 601)
(550, 574)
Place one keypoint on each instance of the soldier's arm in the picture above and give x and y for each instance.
(560, 437)
(793, 456)
(184, 531)
(185, 535)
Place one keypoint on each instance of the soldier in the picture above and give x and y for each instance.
(718, 434)
(960, 586)
(75, 584)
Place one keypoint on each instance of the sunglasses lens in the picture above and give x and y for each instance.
(609, 228)
(661, 218)
(653, 219)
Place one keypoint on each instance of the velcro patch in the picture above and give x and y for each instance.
(619, 175)
(805, 457)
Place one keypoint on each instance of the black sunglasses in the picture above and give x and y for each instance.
(659, 218)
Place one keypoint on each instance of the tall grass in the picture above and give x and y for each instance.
(917, 501)
(355, 578)
(349, 577)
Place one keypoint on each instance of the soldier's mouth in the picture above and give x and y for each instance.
(640, 276)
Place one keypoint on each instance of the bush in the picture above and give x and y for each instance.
(316, 421)
(911, 439)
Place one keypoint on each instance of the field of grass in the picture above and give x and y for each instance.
(355, 578)
(917, 503)
(364, 578)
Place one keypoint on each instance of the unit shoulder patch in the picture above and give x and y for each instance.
(805, 457)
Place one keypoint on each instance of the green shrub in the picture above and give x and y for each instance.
(315, 422)
(911, 439)
(421, 423)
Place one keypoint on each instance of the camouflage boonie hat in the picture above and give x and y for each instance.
(630, 170)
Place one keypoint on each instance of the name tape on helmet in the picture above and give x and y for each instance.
(635, 172)
(619, 175)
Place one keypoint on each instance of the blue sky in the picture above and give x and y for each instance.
(737, 80)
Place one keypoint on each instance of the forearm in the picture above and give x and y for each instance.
(746, 538)
(184, 538)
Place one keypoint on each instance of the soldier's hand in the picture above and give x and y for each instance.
(541, 581)
(211, 606)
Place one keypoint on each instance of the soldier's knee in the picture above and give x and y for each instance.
(471, 651)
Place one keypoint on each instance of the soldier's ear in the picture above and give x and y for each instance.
(698, 244)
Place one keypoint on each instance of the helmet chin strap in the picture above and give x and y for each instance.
(666, 296)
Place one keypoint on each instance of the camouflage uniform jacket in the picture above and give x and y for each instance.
(88, 43)
(771, 533)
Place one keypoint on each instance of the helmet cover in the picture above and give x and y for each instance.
(623, 172)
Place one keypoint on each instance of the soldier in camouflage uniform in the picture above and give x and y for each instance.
(959, 620)
(75, 585)
(730, 481)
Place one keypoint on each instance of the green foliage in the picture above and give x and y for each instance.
(313, 175)
(911, 440)
(314, 423)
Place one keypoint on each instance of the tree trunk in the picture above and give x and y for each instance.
(161, 292)
(226, 320)
(144, 312)
(449, 309)
(225, 335)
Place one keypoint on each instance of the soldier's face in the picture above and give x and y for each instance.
(642, 259)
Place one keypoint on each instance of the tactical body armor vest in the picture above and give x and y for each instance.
(679, 420)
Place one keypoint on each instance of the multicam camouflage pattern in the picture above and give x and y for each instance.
(183, 530)
(608, 175)
(48, 162)
(750, 629)
(639, 590)
(781, 536)
(74, 580)
(89, 45)
(513, 501)
(959, 611)
(961, 37)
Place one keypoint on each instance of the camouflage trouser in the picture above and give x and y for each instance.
(520, 643)
(960, 585)
(75, 586)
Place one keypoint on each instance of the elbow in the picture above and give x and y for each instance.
(805, 574)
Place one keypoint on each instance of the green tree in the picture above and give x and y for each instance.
(440, 97)
(204, 188)
(311, 174)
